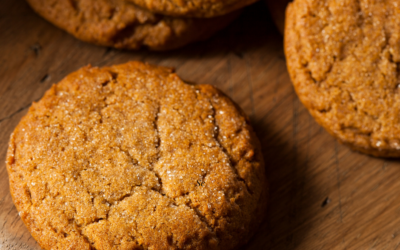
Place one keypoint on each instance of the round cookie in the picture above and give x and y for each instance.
(193, 8)
(344, 62)
(131, 157)
(122, 25)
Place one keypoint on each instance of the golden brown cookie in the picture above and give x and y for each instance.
(131, 157)
(122, 25)
(193, 8)
(344, 62)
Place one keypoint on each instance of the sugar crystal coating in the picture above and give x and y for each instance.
(344, 61)
(193, 8)
(131, 157)
(123, 25)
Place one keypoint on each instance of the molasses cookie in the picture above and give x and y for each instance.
(193, 8)
(344, 61)
(122, 25)
(131, 157)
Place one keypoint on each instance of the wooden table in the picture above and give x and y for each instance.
(323, 195)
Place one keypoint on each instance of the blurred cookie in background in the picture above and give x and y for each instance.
(344, 62)
(121, 24)
(193, 8)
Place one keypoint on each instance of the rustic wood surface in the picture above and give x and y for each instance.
(323, 195)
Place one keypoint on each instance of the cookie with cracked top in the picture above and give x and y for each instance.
(193, 8)
(120, 24)
(344, 61)
(131, 157)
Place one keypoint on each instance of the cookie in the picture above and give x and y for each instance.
(344, 62)
(193, 8)
(131, 157)
(277, 11)
(120, 24)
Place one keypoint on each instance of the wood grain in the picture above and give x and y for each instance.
(323, 196)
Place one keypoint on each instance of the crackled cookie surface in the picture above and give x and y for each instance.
(344, 61)
(120, 24)
(131, 157)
